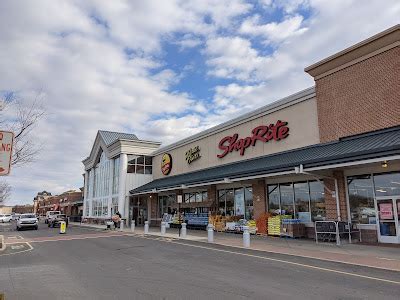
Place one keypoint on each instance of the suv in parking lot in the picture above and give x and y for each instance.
(50, 215)
(56, 221)
(27, 221)
(5, 218)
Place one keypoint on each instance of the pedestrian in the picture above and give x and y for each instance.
(117, 220)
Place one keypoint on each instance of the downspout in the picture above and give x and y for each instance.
(301, 171)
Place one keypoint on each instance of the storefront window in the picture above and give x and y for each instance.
(287, 199)
(165, 204)
(317, 201)
(114, 205)
(273, 199)
(140, 165)
(302, 201)
(195, 197)
(387, 184)
(236, 202)
(361, 199)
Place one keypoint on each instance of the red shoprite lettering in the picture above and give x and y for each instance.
(263, 133)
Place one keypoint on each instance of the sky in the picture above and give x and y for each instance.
(163, 70)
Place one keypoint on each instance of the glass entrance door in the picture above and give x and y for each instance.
(388, 219)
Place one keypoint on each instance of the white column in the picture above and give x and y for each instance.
(85, 192)
(123, 166)
(110, 186)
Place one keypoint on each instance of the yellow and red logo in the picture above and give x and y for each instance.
(166, 163)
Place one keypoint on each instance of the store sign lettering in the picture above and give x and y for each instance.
(263, 133)
(192, 154)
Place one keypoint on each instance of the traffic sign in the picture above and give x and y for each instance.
(6, 144)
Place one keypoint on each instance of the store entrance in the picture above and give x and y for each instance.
(139, 211)
(388, 209)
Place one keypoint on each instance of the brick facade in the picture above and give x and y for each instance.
(259, 198)
(347, 99)
(330, 200)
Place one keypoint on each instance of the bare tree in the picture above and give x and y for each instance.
(5, 191)
(21, 118)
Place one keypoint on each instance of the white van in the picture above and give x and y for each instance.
(51, 215)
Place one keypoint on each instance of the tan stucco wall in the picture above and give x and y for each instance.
(303, 130)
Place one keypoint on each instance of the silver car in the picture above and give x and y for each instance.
(27, 221)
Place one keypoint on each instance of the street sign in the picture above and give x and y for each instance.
(6, 144)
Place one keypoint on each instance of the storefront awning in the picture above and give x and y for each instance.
(378, 144)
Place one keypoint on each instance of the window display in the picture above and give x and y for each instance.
(361, 199)
(236, 202)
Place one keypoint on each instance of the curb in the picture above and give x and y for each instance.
(2, 243)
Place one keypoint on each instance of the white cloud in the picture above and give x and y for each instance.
(273, 32)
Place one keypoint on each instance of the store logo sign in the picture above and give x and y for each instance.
(166, 163)
(6, 145)
(192, 154)
(263, 133)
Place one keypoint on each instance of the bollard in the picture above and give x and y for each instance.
(63, 227)
(146, 227)
(246, 237)
(183, 231)
(133, 226)
(210, 233)
(121, 226)
(163, 225)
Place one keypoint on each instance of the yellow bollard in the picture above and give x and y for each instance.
(63, 226)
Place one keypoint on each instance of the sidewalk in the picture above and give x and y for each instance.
(357, 254)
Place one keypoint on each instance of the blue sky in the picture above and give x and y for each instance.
(160, 69)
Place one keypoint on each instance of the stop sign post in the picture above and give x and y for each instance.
(6, 144)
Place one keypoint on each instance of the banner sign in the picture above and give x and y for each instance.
(263, 133)
(6, 144)
(386, 211)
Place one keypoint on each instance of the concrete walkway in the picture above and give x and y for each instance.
(383, 257)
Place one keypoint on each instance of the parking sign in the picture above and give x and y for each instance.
(6, 144)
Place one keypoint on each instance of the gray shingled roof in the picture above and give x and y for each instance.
(110, 137)
(364, 146)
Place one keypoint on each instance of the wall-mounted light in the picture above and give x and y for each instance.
(384, 164)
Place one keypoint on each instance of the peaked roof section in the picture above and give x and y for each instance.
(110, 137)
(371, 145)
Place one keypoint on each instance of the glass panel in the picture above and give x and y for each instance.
(131, 169)
(221, 202)
(140, 160)
(387, 184)
(148, 170)
(302, 201)
(192, 197)
(317, 201)
(387, 224)
(205, 196)
(273, 199)
(239, 202)
(230, 203)
(361, 199)
(139, 169)
(198, 197)
(287, 199)
(186, 198)
(248, 197)
(148, 160)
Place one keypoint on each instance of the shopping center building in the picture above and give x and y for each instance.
(330, 152)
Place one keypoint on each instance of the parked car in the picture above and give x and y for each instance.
(5, 218)
(56, 221)
(50, 215)
(27, 221)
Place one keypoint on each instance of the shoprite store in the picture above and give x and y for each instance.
(331, 152)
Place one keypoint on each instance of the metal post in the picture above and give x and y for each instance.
(183, 231)
(163, 229)
(337, 234)
(246, 237)
(133, 226)
(121, 226)
(146, 227)
(210, 233)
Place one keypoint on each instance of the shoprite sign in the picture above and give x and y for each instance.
(6, 143)
(263, 133)
(192, 154)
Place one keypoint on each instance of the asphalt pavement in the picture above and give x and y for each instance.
(92, 264)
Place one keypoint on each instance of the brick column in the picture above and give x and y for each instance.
(212, 197)
(330, 201)
(259, 198)
(153, 206)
